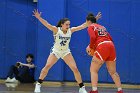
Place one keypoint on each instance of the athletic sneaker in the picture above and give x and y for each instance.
(8, 80)
(13, 80)
(120, 91)
(37, 87)
(82, 90)
(93, 91)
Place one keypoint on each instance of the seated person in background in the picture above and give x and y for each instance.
(22, 72)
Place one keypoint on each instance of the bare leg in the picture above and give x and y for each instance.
(69, 60)
(94, 68)
(111, 66)
(50, 62)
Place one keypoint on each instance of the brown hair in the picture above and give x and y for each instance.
(62, 21)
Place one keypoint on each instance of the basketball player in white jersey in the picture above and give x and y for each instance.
(62, 35)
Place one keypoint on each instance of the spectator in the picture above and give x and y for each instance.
(22, 72)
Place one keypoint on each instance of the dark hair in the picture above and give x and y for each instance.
(91, 17)
(29, 55)
(62, 21)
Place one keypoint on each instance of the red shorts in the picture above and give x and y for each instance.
(105, 51)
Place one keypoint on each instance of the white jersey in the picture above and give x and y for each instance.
(62, 40)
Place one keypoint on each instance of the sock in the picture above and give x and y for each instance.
(94, 88)
(81, 85)
(119, 89)
(40, 81)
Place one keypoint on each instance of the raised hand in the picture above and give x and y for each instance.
(98, 16)
(37, 14)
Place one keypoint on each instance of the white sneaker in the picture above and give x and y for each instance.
(8, 80)
(82, 90)
(13, 80)
(37, 87)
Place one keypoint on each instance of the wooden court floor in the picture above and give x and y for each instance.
(59, 88)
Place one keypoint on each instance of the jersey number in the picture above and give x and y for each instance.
(63, 43)
(102, 32)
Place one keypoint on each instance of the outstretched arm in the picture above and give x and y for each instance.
(84, 25)
(28, 65)
(98, 16)
(44, 22)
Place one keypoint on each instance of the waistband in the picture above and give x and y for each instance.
(104, 42)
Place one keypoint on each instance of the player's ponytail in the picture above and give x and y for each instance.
(62, 21)
(91, 17)
(59, 24)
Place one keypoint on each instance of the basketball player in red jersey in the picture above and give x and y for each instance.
(101, 42)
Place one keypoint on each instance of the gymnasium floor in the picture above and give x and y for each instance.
(55, 88)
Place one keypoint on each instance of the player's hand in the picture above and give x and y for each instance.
(98, 16)
(37, 14)
(88, 50)
(21, 64)
(18, 64)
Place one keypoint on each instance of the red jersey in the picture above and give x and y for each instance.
(98, 34)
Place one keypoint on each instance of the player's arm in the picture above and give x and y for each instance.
(44, 22)
(92, 37)
(84, 25)
(98, 16)
(28, 65)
